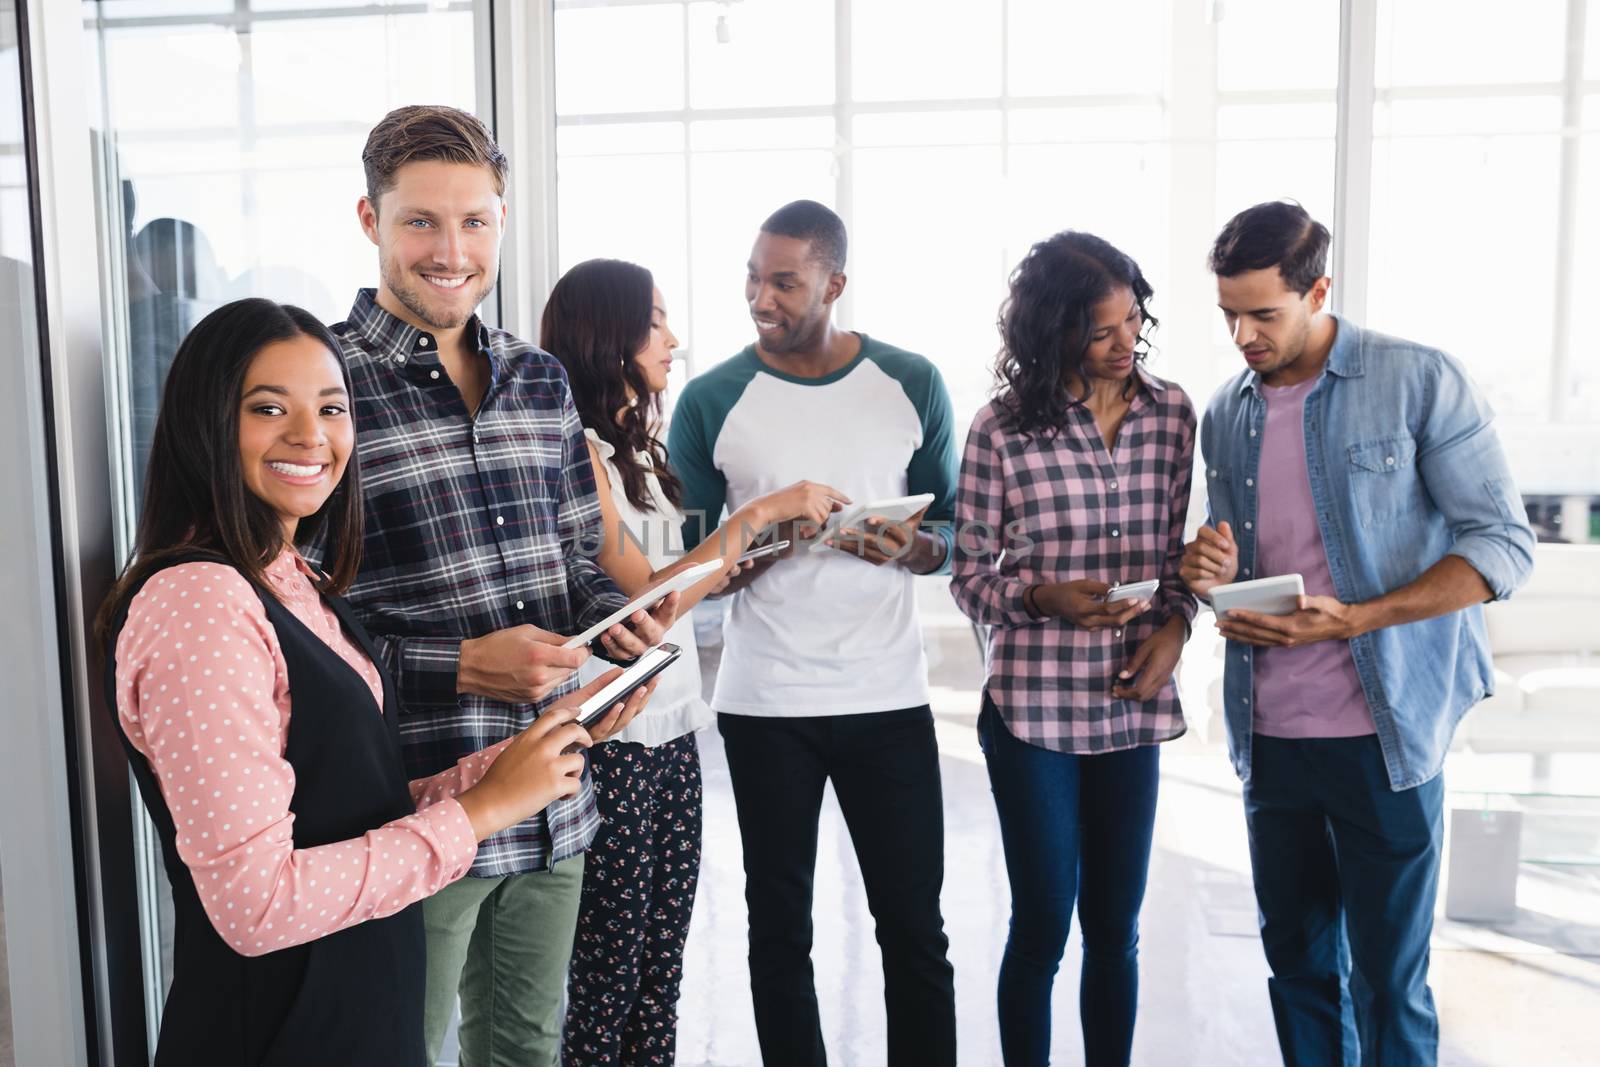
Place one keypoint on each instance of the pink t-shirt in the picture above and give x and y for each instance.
(1314, 690)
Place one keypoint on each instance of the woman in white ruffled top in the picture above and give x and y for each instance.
(607, 324)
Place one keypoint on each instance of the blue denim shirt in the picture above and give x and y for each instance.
(1405, 469)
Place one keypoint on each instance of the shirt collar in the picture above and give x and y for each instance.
(1344, 358)
(394, 341)
(1151, 382)
(287, 564)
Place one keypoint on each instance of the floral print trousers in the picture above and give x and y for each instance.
(638, 889)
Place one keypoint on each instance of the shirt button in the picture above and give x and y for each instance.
(1113, 485)
(433, 374)
(1246, 700)
(1117, 634)
(499, 520)
(519, 605)
(1116, 533)
(422, 342)
(1247, 481)
(1247, 572)
(401, 358)
(1389, 460)
(1247, 526)
(1252, 433)
(1213, 474)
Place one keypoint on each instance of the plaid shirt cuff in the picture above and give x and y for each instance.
(424, 669)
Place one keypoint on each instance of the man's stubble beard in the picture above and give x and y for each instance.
(411, 298)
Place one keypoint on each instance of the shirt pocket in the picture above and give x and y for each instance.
(1384, 483)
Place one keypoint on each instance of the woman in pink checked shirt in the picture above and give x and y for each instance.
(261, 732)
(1075, 479)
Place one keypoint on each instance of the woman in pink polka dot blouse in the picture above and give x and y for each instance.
(261, 732)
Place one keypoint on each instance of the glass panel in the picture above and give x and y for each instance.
(1488, 212)
(1266, 152)
(19, 324)
(1115, 191)
(1041, 34)
(731, 50)
(595, 43)
(227, 173)
(1254, 50)
(927, 128)
(926, 277)
(1469, 42)
(1068, 125)
(430, 56)
(925, 49)
(732, 193)
(633, 208)
(124, 10)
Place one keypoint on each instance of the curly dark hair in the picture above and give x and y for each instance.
(596, 321)
(1047, 320)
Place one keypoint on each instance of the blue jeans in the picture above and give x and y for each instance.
(1076, 829)
(1346, 874)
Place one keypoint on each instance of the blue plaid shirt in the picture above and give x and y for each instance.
(472, 525)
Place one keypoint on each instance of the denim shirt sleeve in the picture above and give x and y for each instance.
(1467, 475)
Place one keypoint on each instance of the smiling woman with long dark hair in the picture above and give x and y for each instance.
(1083, 458)
(261, 730)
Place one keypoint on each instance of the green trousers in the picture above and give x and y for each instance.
(504, 944)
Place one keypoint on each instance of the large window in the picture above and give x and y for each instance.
(951, 134)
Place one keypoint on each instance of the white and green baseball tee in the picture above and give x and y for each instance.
(820, 633)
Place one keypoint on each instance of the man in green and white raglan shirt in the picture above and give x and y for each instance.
(823, 675)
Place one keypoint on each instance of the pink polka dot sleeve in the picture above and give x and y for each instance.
(202, 691)
(458, 779)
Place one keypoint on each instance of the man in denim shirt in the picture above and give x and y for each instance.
(1368, 465)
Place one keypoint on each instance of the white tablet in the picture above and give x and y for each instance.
(1134, 591)
(1270, 596)
(763, 550)
(896, 509)
(675, 584)
(651, 663)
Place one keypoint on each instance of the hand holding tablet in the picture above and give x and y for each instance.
(1134, 591)
(646, 667)
(677, 583)
(896, 509)
(1279, 595)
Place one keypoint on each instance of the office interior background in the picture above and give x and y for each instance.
(161, 157)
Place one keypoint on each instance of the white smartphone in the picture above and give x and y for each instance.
(896, 509)
(1134, 591)
(651, 663)
(647, 599)
(764, 550)
(1279, 595)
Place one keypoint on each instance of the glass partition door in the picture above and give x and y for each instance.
(227, 137)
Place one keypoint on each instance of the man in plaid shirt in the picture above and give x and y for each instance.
(479, 498)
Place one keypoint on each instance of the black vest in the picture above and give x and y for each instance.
(355, 996)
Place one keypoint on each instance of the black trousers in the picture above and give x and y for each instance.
(885, 772)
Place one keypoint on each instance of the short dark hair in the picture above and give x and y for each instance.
(807, 220)
(1278, 233)
(428, 131)
(596, 320)
(195, 497)
(1047, 320)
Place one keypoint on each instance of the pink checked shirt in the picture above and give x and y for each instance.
(1052, 510)
(203, 694)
